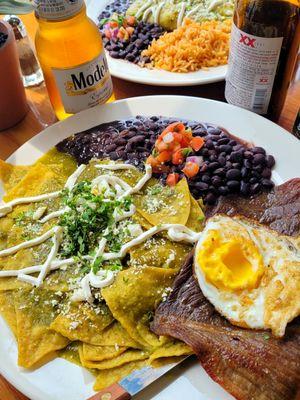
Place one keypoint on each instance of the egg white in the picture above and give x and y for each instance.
(279, 283)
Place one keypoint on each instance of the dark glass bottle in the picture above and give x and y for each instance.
(264, 45)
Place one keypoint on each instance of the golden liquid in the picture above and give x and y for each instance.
(66, 44)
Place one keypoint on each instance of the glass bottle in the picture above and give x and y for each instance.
(71, 54)
(264, 44)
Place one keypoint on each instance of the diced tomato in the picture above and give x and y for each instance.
(130, 30)
(174, 127)
(190, 169)
(164, 156)
(156, 165)
(161, 146)
(107, 33)
(177, 137)
(197, 143)
(131, 20)
(152, 161)
(113, 24)
(172, 179)
(177, 157)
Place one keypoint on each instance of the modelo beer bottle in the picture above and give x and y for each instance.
(71, 54)
(264, 44)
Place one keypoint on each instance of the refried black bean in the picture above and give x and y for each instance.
(238, 168)
(131, 49)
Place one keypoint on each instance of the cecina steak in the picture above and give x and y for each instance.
(249, 364)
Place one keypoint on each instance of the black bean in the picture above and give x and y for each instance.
(236, 165)
(267, 183)
(203, 168)
(214, 131)
(201, 185)
(216, 181)
(233, 174)
(228, 165)
(226, 148)
(245, 188)
(136, 139)
(248, 154)
(114, 54)
(255, 188)
(221, 160)
(253, 180)
(238, 147)
(213, 165)
(219, 171)
(233, 185)
(210, 198)
(232, 143)
(236, 156)
(205, 178)
(204, 152)
(120, 141)
(200, 132)
(113, 155)
(270, 161)
(223, 190)
(223, 141)
(245, 172)
(258, 168)
(212, 152)
(214, 138)
(209, 144)
(110, 147)
(213, 157)
(259, 158)
(266, 173)
(258, 150)
(247, 163)
(130, 57)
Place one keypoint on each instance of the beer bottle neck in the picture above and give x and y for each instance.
(58, 10)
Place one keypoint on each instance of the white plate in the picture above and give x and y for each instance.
(131, 72)
(62, 380)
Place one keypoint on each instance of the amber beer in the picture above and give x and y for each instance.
(264, 45)
(71, 53)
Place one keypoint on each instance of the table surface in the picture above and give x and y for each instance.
(41, 115)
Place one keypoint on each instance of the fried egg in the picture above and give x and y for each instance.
(249, 273)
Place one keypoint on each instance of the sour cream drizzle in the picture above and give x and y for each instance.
(102, 278)
(153, 7)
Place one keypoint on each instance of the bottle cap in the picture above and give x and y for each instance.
(56, 10)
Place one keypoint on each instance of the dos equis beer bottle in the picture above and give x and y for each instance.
(71, 54)
(264, 44)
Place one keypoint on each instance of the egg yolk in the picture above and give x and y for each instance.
(234, 263)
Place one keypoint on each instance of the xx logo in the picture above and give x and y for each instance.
(247, 40)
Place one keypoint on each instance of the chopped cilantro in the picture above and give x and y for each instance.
(266, 336)
(89, 216)
(97, 264)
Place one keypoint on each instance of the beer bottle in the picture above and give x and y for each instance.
(264, 44)
(71, 54)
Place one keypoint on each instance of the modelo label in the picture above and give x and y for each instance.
(57, 9)
(84, 86)
(252, 66)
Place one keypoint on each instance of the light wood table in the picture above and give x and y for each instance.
(41, 115)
